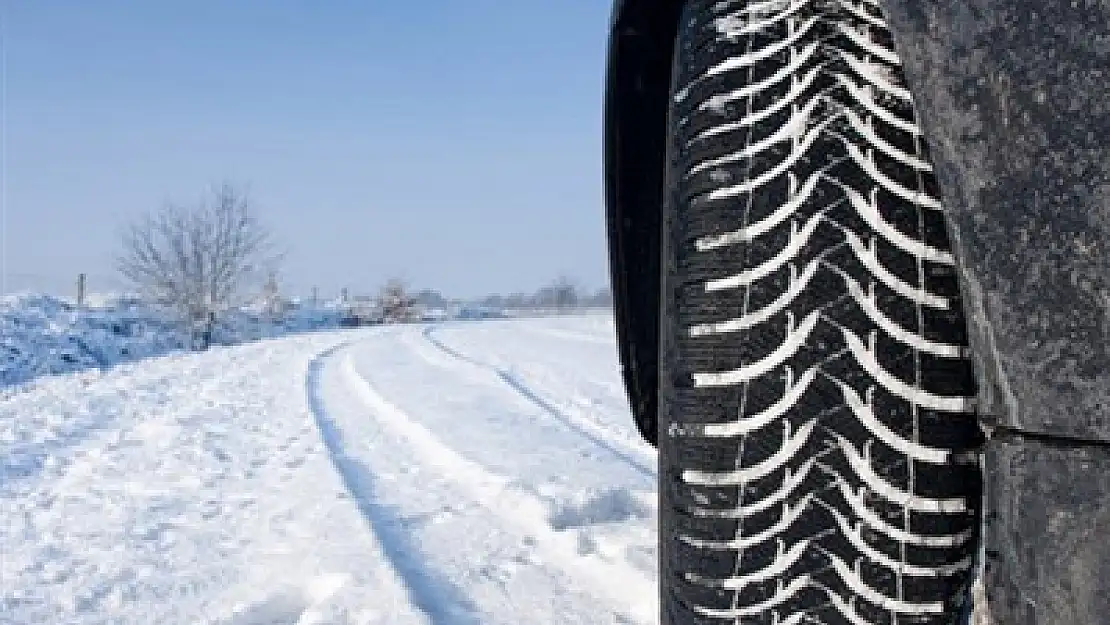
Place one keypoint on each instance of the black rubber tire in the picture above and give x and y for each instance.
(819, 449)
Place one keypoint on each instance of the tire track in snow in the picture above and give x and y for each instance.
(439, 599)
(495, 493)
(527, 393)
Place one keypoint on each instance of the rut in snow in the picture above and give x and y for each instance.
(532, 396)
(440, 600)
(559, 532)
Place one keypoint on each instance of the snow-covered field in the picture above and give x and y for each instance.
(458, 473)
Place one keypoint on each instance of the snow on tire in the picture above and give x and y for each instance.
(818, 442)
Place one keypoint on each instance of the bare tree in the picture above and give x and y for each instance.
(199, 260)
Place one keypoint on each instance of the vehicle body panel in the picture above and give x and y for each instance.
(1014, 98)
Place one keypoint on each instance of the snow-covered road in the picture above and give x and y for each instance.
(453, 474)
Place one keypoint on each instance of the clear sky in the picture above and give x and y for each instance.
(456, 143)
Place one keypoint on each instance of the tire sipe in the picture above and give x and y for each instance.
(819, 449)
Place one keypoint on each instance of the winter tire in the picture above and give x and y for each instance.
(818, 443)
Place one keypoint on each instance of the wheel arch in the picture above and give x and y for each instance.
(637, 86)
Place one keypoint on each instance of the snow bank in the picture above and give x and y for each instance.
(44, 335)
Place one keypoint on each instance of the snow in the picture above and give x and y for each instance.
(455, 473)
(43, 335)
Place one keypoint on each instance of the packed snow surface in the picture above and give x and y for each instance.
(455, 473)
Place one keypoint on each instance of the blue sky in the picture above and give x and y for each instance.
(456, 143)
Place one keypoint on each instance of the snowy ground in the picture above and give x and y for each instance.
(462, 473)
